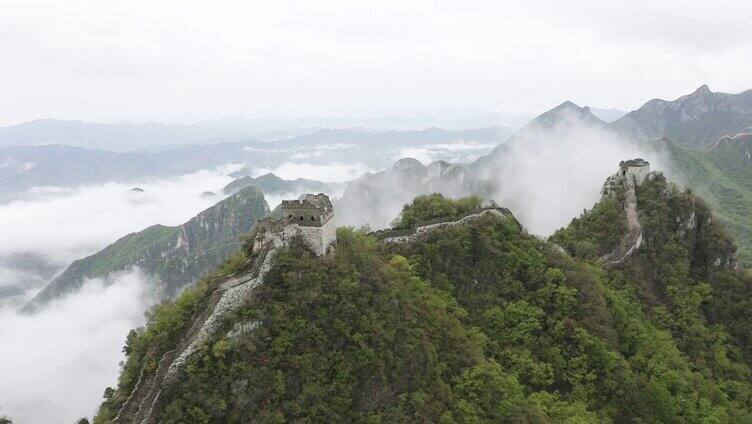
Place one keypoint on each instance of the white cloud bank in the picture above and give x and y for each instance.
(67, 223)
(52, 226)
(459, 151)
(549, 177)
(56, 364)
(334, 172)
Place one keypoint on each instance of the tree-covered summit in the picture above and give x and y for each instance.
(476, 323)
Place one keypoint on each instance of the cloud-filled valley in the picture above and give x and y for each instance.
(547, 174)
(56, 363)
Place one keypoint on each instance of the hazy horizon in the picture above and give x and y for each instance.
(193, 61)
(164, 116)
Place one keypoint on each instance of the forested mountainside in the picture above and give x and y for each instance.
(174, 256)
(472, 322)
(722, 175)
(701, 152)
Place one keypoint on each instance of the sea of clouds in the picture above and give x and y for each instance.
(56, 225)
(56, 363)
(456, 152)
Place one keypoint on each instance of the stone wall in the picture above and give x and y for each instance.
(638, 173)
(420, 231)
(319, 239)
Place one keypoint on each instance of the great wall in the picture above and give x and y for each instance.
(311, 219)
(631, 174)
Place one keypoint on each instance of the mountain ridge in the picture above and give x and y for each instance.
(174, 256)
(474, 322)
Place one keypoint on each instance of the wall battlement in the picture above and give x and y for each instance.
(309, 217)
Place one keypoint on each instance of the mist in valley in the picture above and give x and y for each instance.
(549, 176)
(56, 363)
(122, 116)
(76, 341)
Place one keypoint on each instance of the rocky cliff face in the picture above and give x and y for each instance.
(173, 256)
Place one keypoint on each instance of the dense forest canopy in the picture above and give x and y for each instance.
(476, 323)
(429, 207)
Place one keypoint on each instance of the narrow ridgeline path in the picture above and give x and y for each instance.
(631, 241)
(406, 236)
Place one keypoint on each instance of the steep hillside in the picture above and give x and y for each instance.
(175, 256)
(722, 175)
(468, 322)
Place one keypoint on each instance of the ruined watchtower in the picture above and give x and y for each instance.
(638, 169)
(631, 174)
(309, 217)
(310, 210)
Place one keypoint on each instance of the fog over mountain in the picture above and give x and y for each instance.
(547, 172)
(383, 211)
(325, 155)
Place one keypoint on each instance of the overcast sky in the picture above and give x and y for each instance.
(183, 60)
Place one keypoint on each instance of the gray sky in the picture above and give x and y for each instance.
(187, 60)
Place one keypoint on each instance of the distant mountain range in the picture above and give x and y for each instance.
(174, 256)
(22, 167)
(154, 136)
(116, 137)
(696, 120)
(721, 171)
(272, 184)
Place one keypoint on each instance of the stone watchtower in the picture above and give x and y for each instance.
(638, 169)
(310, 217)
(631, 174)
(311, 210)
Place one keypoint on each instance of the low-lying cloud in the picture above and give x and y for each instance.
(460, 151)
(52, 226)
(334, 172)
(549, 177)
(56, 363)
